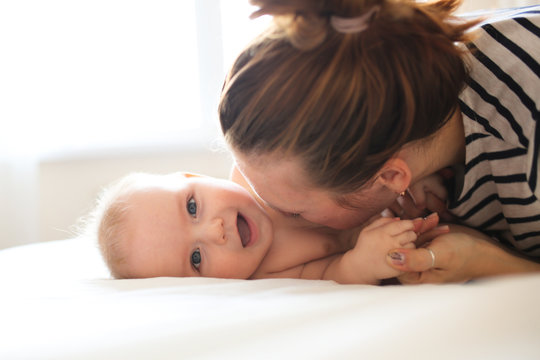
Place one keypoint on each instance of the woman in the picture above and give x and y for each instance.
(338, 109)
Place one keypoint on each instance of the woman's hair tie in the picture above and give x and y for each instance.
(348, 25)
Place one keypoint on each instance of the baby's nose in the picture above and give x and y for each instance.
(217, 230)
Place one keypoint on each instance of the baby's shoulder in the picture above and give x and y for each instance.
(295, 246)
(315, 242)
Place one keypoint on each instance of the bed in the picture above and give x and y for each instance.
(58, 302)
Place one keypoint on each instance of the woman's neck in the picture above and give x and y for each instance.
(446, 148)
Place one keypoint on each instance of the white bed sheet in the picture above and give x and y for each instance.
(57, 303)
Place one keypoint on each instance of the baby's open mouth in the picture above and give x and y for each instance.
(243, 230)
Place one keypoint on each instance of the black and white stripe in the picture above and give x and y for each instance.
(499, 190)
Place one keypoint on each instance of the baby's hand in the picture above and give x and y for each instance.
(379, 237)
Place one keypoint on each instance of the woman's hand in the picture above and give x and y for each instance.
(458, 256)
(425, 196)
(365, 262)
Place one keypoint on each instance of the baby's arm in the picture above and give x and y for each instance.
(366, 262)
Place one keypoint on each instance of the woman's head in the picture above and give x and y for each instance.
(343, 104)
(284, 186)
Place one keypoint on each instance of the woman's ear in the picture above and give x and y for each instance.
(395, 175)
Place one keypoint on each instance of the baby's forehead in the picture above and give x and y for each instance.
(176, 180)
(154, 183)
(146, 240)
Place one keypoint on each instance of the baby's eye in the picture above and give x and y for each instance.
(192, 207)
(293, 215)
(196, 258)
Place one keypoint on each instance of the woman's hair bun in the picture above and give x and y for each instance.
(303, 22)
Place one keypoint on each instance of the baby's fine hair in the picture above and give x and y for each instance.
(106, 221)
(345, 103)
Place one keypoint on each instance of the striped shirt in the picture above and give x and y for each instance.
(498, 189)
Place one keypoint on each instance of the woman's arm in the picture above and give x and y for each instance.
(462, 254)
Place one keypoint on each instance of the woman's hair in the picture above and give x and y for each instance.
(344, 103)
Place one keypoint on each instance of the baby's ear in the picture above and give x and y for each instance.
(189, 175)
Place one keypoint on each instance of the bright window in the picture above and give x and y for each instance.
(106, 74)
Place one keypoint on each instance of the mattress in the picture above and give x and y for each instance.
(58, 302)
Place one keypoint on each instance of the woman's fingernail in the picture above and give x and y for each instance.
(397, 258)
(430, 216)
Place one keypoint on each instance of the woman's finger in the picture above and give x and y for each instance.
(435, 204)
(428, 236)
(422, 225)
(410, 260)
(410, 210)
(418, 197)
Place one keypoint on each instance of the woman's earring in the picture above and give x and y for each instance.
(402, 193)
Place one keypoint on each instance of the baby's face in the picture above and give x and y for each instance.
(185, 225)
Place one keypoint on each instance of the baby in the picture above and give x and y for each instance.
(187, 225)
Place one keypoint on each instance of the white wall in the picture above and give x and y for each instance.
(18, 205)
(68, 187)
